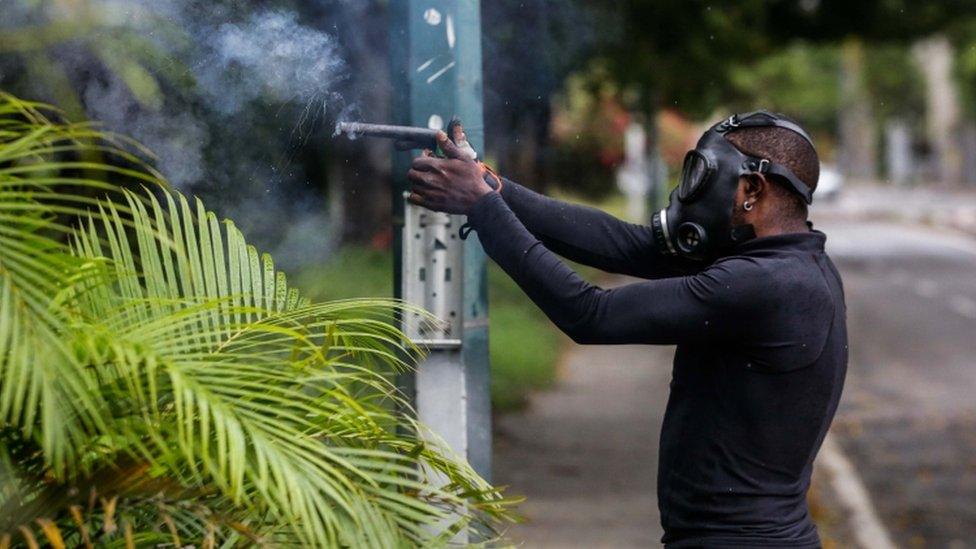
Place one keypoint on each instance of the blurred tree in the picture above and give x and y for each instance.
(42, 40)
(682, 54)
(875, 21)
(679, 54)
(689, 55)
(858, 151)
(356, 175)
(892, 76)
(530, 46)
(802, 79)
(587, 132)
(963, 36)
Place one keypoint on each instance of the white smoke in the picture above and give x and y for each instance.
(272, 57)
(235, 89)
(177, 138)
(268, 59)
(233, 97)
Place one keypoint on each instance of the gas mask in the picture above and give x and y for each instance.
(697, 223)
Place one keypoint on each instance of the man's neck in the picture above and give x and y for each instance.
(781, 228)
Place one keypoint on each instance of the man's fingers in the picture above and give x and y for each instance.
(429, 181)
(419, 177)
(448, 147)
(431, 203)
(427, 164)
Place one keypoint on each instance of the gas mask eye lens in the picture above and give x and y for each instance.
(694, 173)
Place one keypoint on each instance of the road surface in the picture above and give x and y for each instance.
(907, 420)
(585, 453)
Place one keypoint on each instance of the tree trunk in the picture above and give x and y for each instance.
(968, 141)
(857, 154)
(900, 162)
(935, 57)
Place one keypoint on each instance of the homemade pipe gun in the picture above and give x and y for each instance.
(407, 138)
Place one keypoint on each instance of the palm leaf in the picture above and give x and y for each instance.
(45, 390)
(159, 344)
(262, 382)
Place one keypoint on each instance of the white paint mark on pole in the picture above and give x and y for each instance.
(425, 64)
(432, 16)
(441, 72)
(450, 32)
(869, 532)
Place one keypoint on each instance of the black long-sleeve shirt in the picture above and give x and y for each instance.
(758, 371)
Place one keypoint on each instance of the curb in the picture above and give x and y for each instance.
(862, 518)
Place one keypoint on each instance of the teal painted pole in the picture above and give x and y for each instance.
(435, 48)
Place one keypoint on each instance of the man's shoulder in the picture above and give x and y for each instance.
(773, 279)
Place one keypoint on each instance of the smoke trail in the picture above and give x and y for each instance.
(236, 99)
(241, 94)
(271, 57)
(176, 137)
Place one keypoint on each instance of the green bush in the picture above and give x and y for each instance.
(162, 384)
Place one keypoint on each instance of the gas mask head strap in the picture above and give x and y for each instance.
(758, 119)
(764, 166)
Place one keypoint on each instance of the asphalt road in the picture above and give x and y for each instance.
(907, 419)
(585, 453)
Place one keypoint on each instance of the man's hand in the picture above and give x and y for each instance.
(451, 184)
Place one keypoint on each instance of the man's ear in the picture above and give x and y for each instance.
(756, 185)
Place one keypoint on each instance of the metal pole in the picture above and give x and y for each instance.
(435, 48)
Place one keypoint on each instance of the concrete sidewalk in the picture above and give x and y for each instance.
(585, 453)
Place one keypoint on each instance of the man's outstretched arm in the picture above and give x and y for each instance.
(590, 236)
(579, 233)
(666, 311)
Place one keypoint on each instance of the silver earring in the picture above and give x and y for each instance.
(747, 206)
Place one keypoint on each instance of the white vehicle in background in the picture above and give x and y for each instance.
(830, 184)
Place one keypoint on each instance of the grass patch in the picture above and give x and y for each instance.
(524, 345)
(358, 271)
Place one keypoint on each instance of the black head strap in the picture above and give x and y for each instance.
(762, 119)
(764, 166)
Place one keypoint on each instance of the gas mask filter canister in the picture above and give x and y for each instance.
(697, 223)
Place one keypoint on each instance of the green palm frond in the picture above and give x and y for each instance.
(261, 383)
(157, 371)
(44, 387)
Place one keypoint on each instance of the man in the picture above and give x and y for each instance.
(736, 278)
